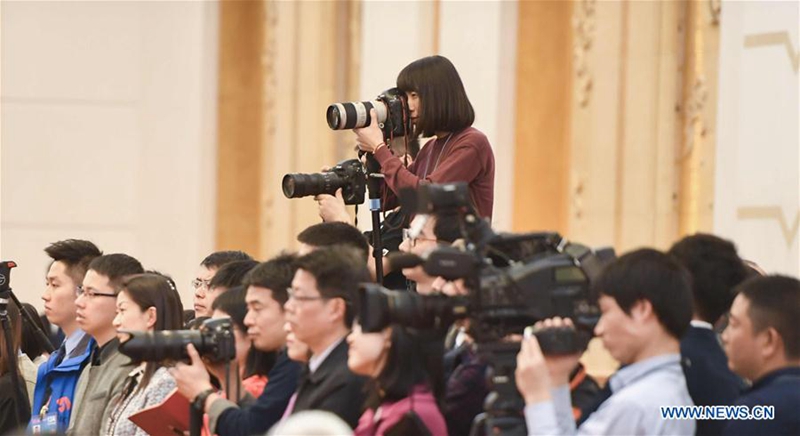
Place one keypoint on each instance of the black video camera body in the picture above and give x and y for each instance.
(214, 340)
(347, 174)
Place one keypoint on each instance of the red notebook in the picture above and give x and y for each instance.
(168, 418)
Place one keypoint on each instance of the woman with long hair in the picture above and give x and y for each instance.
(147, 302)
(439, 108)
(12, 413)
(401, 399)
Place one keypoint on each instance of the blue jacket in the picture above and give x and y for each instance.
(57, 383)
(780, 389)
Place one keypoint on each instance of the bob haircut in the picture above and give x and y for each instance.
(444, 106)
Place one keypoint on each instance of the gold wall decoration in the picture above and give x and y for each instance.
(775, 213)
(584, 28)
(693, 120)
(715, 8)
(775, 38)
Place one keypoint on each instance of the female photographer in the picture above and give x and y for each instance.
(401, 401)
(12, 413)
(438, 106)
(147, 302)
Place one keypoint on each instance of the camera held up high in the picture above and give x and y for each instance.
(390, 107)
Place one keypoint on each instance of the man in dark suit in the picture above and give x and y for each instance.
(320, 310)
(762, 341)
(716, 269)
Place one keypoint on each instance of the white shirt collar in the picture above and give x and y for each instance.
(702, 324)
(316, 360)
(72, 341)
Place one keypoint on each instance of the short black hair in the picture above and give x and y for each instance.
(338, 271)
(444, 105)
(335, 233)
(231, 274)
(775, 302)
(275, 274)
(650, 275)
(117, 267)
(715, 268)
(447, 228)
(219, 258)
(75, 254)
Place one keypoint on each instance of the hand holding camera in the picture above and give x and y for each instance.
(191, 379)
(369, 138)
(538, 372)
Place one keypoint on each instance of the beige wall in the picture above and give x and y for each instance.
(108, 126)
(757, 201)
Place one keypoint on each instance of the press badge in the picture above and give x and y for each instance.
(44, 425)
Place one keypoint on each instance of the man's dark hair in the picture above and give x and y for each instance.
(650, 275)
(75, 254)
(447, 228)
(275, 274)
(338, 271)
(444, 106)
(231, 274)
(715, 268)
(219, 258)
(775, 302)
(116, 267)
(335, 233)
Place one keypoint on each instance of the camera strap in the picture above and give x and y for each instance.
(428, 160)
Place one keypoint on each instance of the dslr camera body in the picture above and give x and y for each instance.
(393, 119)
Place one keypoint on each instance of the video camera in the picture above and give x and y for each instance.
(214, 340)
(513, 281)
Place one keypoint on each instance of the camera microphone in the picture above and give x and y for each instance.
(399, 260)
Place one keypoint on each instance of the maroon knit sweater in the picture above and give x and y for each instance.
(465, 157)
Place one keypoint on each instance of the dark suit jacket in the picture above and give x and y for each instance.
(708, 378)
(332, 387)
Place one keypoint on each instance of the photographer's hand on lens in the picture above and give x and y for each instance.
(369, 138)
(332, 208)
(536, 373)
(191, 379)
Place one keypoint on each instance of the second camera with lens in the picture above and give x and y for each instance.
(214, 341)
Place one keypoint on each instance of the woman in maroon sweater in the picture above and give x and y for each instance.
(439, 108)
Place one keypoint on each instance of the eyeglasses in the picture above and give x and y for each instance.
(89, 293)
(200, 283)
(293, 296)
(413, 241)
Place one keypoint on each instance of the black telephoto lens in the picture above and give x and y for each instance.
(160, 346)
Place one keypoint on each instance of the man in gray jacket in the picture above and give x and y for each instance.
(101, 381)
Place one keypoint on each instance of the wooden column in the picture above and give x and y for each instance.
(240, 119)
(544, 65)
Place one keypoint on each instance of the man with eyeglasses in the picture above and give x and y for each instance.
(101, 380)
(319, 311)
(266, 293)
(208, 268)
(57, 378)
